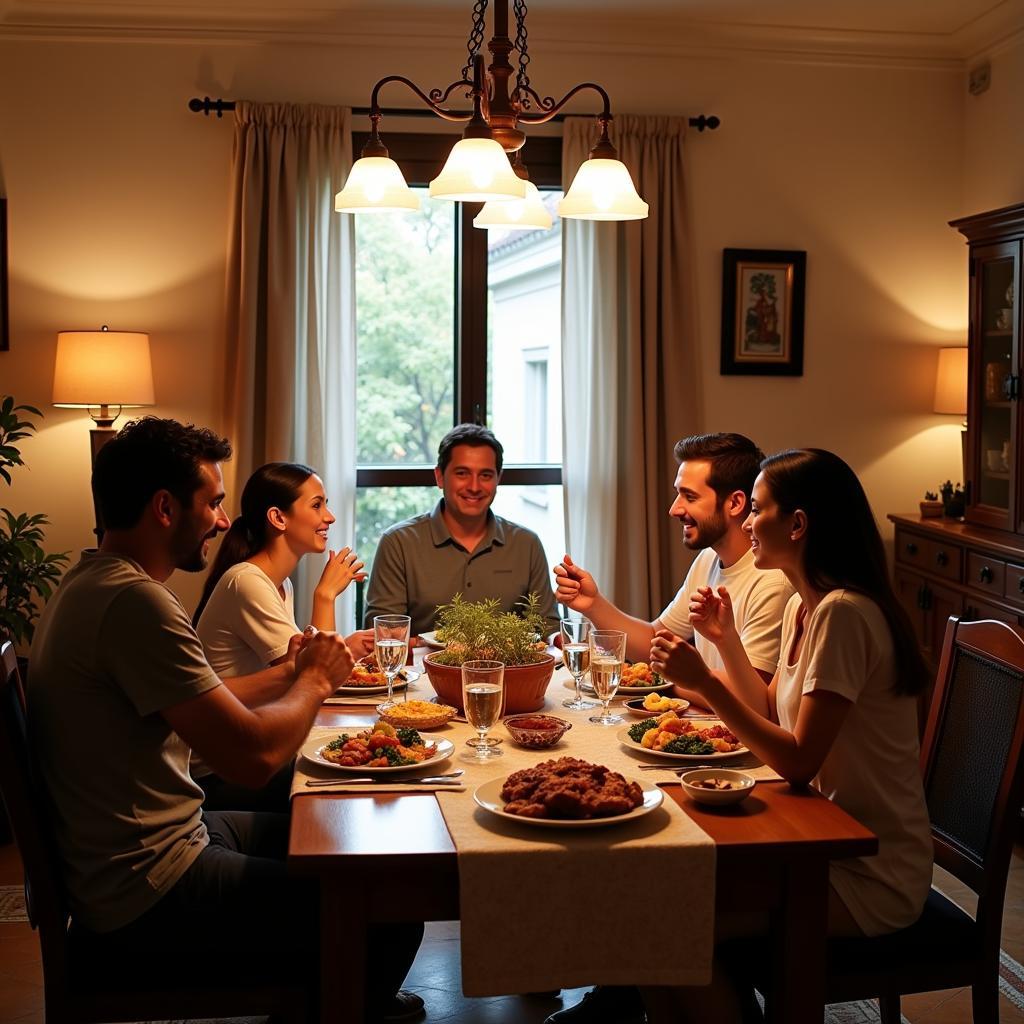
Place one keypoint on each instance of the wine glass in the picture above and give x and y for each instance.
(391, 645)
(576, 655)
(483, 695)
(607, 653)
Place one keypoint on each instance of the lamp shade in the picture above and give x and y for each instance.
(529, 214)
(603, 190)
(375, 185)
(477, 171)
(96, 368)
(951, 382)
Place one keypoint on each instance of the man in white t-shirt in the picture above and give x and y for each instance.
(716, 474)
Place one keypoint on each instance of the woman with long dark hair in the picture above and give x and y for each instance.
(841, 711)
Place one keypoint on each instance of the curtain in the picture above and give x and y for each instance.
(290, 382)
(629, 369)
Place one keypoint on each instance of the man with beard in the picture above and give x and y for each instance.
(713, 484)
(121, 691)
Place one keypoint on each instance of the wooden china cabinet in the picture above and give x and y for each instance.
(974, 567)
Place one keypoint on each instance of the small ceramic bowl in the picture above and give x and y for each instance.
(733, 786)
(536, 731)
(635, 706)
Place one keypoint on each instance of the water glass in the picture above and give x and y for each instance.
(607, 654)
(391, 645)
(483, 697)
(576, 655)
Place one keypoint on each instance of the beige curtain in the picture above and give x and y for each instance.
(629, 368)
(290, 382)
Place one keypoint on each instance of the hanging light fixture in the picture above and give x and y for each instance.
(478, 169)
(527, 214)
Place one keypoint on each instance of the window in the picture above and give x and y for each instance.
(455, 324)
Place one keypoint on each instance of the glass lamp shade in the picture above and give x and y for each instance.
(375, 185)
(603, 190)
(951, 382)
(96, 368)
(477, 171)
(527, 214)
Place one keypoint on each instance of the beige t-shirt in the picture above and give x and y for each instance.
(113, 649)
(872, 770)
(759, 598)
(246, 624)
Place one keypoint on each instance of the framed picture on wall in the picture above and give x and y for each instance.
(763, 312)
(5, 324)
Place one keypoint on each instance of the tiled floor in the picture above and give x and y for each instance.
(435, 974)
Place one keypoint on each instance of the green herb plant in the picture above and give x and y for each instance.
(479, 630)
(27, 574)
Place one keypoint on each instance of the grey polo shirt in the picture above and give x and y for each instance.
(419, 565)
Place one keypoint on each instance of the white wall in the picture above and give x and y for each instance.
(117, 205)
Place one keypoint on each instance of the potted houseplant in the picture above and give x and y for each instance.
(27, 574)
(474, 630)
(931, 507)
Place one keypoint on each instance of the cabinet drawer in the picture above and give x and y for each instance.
(985, 573)
(974, 610)
(1014, 588)
(932, 556)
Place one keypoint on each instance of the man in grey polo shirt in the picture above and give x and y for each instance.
(461, 547)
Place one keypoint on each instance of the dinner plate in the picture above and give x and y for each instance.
(624, 738)
(312, 751)
(430, 639)
(636, 707)
(628, 691)
(488, 796)
(369, 691)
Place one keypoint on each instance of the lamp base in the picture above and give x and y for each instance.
(98, 437)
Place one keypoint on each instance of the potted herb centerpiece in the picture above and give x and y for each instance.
(474, 630)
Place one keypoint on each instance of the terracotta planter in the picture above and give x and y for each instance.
(525, 685)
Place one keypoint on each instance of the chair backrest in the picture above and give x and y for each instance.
(971, 758)
(27, 809)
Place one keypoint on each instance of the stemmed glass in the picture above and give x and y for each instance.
(607, 653)
(576, 655)
(483, 695)
(391, 645)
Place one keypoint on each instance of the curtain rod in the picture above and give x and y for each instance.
(206, 106)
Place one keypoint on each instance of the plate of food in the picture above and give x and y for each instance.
(367, 679)
(655, 704)
(430, 639)
(637, 680)
(568, 793)
(381, 749)
(679, 740)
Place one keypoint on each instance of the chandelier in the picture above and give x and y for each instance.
(486, 164)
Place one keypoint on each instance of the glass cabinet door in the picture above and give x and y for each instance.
(996, 386)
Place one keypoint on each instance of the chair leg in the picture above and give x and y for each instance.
(985, 1001)
(889, 1009)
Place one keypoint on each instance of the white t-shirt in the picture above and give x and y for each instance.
(872, 770)
(759, 598)
(246, 624)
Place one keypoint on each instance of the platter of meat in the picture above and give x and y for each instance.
(568, 793)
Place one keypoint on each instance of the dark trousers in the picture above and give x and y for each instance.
(220, 795)
(237, 914)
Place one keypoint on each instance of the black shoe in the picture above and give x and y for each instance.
(606, 1004)
(404, 1006)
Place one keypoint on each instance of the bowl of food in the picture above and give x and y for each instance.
(536, 731)
(416, 714)
(655, 704)
(717, 785)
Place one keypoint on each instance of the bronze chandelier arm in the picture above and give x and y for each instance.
(551, 109)
(433, 103)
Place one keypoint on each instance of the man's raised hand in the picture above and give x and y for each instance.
(574, 586)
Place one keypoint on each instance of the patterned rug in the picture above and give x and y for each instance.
(1011, 975)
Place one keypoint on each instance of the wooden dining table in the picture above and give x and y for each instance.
(389, 857)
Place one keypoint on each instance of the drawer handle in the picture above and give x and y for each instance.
(986, 575)
(941, 558)
(911, 548)
(1020, 584)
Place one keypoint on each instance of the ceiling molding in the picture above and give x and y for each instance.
(598, 34)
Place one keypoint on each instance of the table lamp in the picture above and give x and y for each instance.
(102, 371)
(951, 392)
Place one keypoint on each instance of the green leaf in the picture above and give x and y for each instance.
(7, 405)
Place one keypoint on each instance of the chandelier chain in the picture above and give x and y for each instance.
(523, 89)
(476, 38)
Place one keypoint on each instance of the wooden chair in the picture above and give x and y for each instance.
(77, 993)
(974, 783)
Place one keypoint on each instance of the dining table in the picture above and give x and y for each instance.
(388, 857)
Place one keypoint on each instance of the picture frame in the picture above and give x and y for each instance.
(763, 312)
(5, 322)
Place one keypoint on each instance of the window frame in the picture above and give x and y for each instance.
(421, 157)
